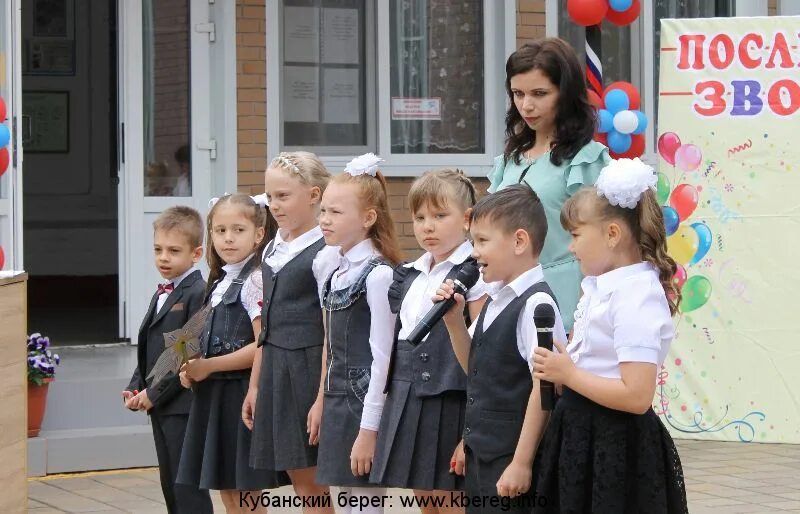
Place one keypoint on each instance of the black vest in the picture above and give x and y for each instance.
(499, 382)
(432, 365)
(296, 321)
(228, 327)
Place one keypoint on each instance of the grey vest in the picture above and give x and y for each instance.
(296, 320)
(228, 327)
(348, 320)
(499, 382)
(432, 365)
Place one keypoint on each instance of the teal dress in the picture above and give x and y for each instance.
(554, 184)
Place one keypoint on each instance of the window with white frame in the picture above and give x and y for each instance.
(324, 70)
(419, 81)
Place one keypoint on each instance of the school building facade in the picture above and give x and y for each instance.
(121, 108)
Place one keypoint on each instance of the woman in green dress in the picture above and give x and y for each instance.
(549, 128)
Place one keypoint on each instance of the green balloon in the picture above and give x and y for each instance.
(695, 293)
(662, 189)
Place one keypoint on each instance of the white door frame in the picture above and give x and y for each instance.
(137, 274)
(11, 205)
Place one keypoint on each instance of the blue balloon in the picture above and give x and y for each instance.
(5, 135)
(617, 100)
(704, 238)
(642, 122)
(605, 121)
(618, 142)
(671, 220)
(620, 5)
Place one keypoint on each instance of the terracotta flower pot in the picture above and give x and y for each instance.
(37, 400)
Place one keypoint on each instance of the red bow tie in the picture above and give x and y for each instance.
(165, 288)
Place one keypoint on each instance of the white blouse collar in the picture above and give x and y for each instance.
(612, 280)
(231, 269)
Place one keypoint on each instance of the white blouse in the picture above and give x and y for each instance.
(381, 330)
(252, 289)
(623, 316)
(503, 295)
(418, 300)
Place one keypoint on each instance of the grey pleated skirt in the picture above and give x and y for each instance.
(287, 387)
(216, 448)
(417, 438)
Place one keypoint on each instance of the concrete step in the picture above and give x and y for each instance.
(91, 449)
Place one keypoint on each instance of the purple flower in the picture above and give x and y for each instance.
(57, 359)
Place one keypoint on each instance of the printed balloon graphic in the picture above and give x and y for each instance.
(668, 144)
(704, 239)
(684, 200)
(671, 220)
(662, 189)
(679, 278)
(688, 157)
(683, 244)
(695, 293)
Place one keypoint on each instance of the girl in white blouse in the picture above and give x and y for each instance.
(359, 328)
(604, 449)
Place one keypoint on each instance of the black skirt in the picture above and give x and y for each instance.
(216, 448)
(417, 438)
(599, 460)
(287, 388)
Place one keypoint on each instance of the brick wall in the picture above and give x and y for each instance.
(530, 21)
(251, 94)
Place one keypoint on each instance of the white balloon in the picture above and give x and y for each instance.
(626, 122)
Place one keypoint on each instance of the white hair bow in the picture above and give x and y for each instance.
(367, 163)
(261, 200)
(623, 181)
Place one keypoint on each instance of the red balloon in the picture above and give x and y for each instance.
(2, 110)
(601, 138)
(4, 160)
(684, 200)
(2, 258)
(636, 149)
(630, 90)
(625, 17)
(595, 99)
(587, 12)
(668, 144)
(679, 278)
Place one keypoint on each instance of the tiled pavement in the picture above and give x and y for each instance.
(721, 478)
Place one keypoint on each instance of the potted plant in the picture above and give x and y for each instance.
(42, 364)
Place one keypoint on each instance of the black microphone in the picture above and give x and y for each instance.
(544, 317)
(466, 277)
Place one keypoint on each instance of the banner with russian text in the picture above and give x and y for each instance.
(728, 133)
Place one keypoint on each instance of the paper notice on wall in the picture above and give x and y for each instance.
(341, 96)
(416, 108)
(301, 34)
(340, 36)
(300, 94)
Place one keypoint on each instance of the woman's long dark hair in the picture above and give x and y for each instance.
(576, 117)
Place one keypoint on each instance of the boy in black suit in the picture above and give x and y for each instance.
(178, 246)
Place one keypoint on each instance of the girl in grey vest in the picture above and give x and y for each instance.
(359, 323)
(216, 446)
(284, 403)
(421, 426)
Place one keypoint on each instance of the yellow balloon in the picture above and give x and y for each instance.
(682, 245)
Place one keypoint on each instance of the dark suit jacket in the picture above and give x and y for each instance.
(168, 396)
